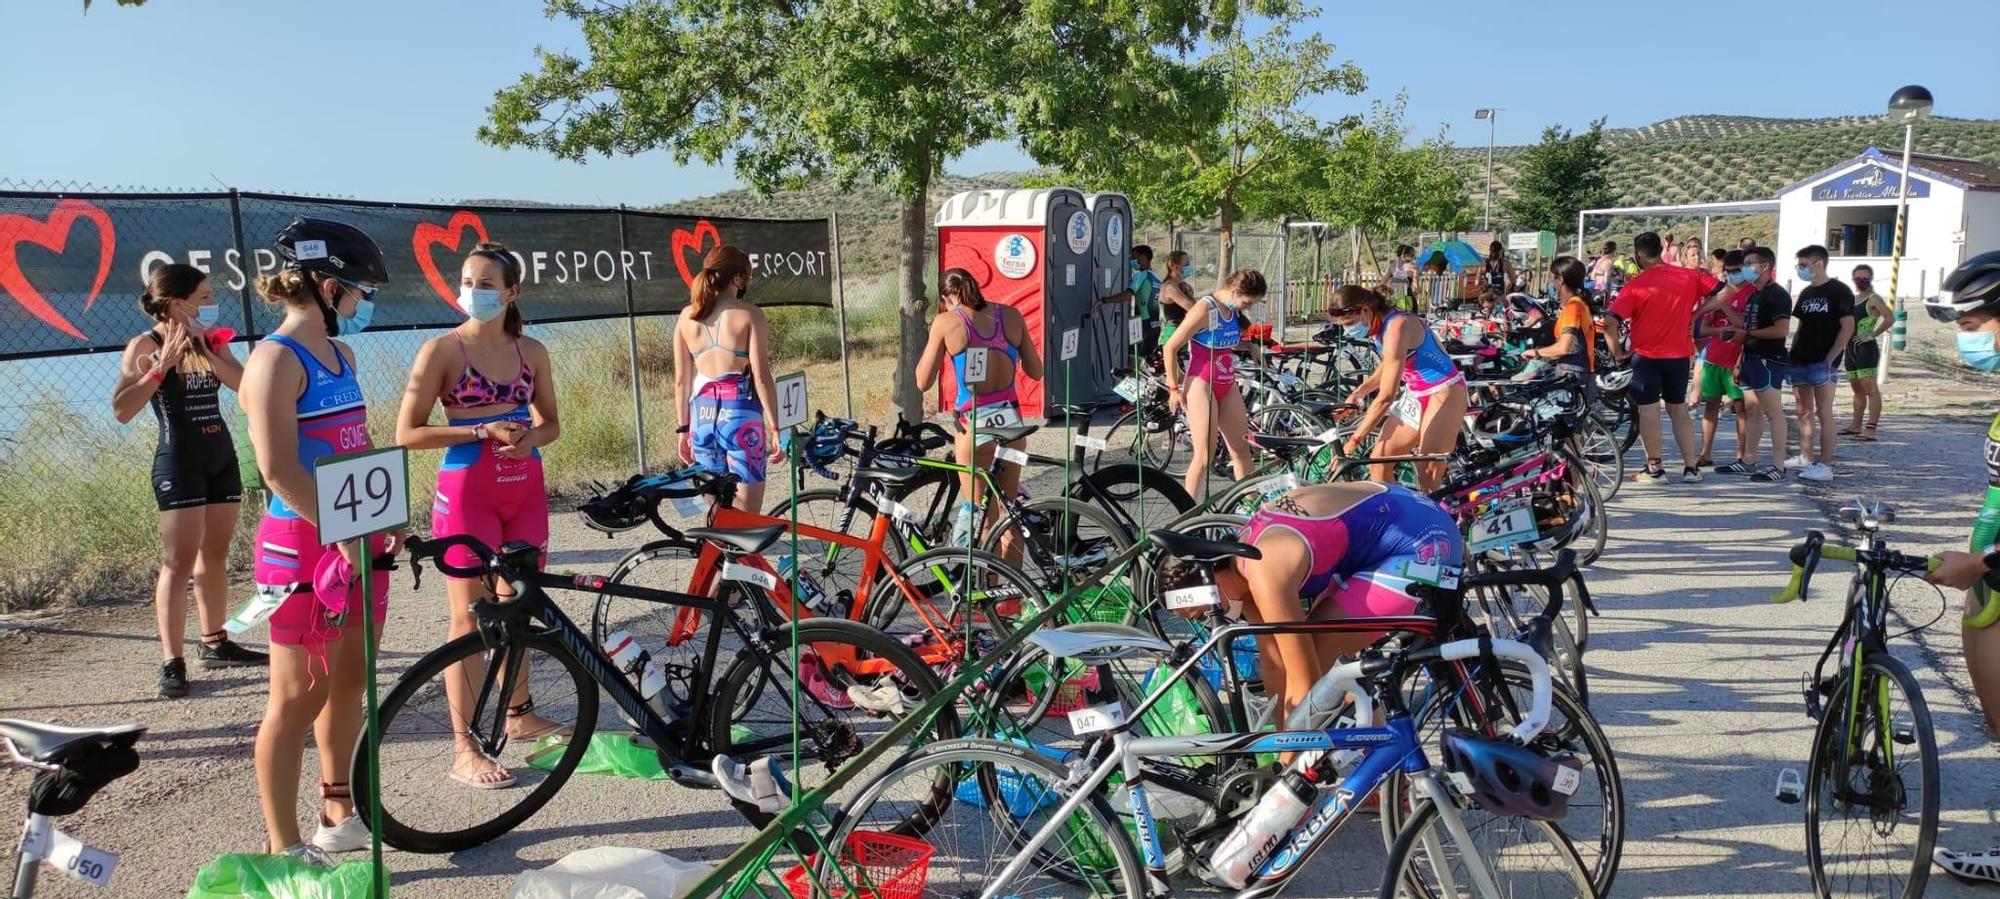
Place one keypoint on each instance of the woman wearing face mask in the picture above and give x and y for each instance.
(304, 402)
(490, 483)
(1415, 379)
(1971, 299)
(1864, 355)
(722, 365)
(178, 367)
(1211, 332)
(1176, 294)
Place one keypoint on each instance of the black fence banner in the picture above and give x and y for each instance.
(72, 265)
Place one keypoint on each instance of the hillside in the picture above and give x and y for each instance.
(1690, 159)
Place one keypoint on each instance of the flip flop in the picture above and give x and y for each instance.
(1848, 432)
(473, 781)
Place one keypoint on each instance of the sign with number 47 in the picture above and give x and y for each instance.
(792, 400)
(362, 493)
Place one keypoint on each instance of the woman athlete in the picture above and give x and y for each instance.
(490, 483)
(1348, 550)
(179, 367)
(968, 327)
(722, 364)
(304, 402)
(1211, 331)
(1415, 378)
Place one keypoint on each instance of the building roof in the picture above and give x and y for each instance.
(1964, 174)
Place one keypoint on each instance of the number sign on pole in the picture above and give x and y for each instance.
(792, 401)
(362, 493)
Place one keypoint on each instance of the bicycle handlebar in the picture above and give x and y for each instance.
(1806, 557)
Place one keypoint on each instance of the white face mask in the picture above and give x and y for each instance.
(483, 305)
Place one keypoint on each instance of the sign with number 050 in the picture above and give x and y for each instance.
(362, 493)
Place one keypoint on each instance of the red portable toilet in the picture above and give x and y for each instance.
(1033, 250)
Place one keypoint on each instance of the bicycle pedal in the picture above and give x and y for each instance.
(692, 776)
(1904, 734)
(1790, 788)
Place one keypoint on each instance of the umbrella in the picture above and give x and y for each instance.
(1457, 253)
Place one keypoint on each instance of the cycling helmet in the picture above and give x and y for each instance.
(334, 249)
(1506, 778)
(619, 510)
(1498, 428)
(1615, 381)
(1972, 287)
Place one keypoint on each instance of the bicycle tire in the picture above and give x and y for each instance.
(887, 605)
(400, 833)
(678, 659)
(1404, 855)
(1597, 445)
(1061, 529)
(982, 759)
(1128, 441)
(1833, 726)
(1142, 490)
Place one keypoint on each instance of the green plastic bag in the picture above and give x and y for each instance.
(248, 876)
(616, 754)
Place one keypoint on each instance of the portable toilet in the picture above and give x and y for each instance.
(1108, 335)
(1032, 250)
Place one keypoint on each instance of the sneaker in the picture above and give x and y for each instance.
(760, 783)
(1970, 865)
(1818, 471)
(1796, 462)
(350, 835)
(174, 679)
(227, 653)
(813, 677)
(1650, 477)
(1737, 467)
(1768, 474)
(309, 854)
(1690, 475)
(885, 698)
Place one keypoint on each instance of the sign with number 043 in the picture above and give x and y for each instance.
(362, 493)
(792, 400)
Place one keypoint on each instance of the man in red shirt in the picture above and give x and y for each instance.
(1721, 335)
(1658, 306)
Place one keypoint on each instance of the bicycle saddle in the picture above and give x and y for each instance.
(1278, 442)
(894, 477)
(55, 743)
(1098, 644)
(1320, 408)
(1008, 434)
(1185, 546)
(743, 540)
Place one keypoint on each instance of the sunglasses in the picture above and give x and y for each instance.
(367, 293)
(1342, 311)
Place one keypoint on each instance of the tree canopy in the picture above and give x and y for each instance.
(1560, 177)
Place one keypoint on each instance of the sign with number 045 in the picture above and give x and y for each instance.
(792, 400)
(362, 493)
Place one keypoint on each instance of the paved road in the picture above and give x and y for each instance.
(1694, 676)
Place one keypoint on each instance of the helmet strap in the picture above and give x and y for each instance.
(327, 311)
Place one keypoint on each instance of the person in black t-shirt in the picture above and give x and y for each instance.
(1825, 314)
(1761, 373)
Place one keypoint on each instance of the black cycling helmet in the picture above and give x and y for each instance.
(334, 249)
(1507, 778)
(1972, 287)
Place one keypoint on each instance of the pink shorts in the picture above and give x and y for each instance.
(1374, 594)
(288, 552)
(1217, 367)
(492, 499)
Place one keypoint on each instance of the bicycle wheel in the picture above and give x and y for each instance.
(1508, 611)
(1000, 796)
(423, 808)
(1286, 420)
(1524, 857)
(1148, 497)
(1599, 448)
(823, 509)
(1866, 835)
(675, 636)
(966, 588)
(1062, 542)
(1147, 437)
(853, 683)
(1595, 825)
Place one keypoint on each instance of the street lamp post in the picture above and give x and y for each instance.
(1488, 114)
(1910, 104)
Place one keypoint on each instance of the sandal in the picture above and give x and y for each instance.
(478, 780)
(517, 712)
(1849, 431)
(1867, 435)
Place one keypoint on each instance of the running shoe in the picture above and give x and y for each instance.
(1818, 471)
(350, 835)
(226, 653)
(760, 783)
(1768, 474)
(1796, 462)
(1970, 865)
(1690, 475)
(174, 679)
(813, 678)
(1650, 477)
(1737, 467)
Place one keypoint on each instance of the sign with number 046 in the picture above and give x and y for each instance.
(792, 400)
(362, 493)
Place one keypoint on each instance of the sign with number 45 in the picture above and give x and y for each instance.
(362, 493)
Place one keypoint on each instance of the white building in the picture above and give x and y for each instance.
(1851, 210)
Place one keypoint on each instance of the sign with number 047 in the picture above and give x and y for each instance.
(792, 400)
(362, 493)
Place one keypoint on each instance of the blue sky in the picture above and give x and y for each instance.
(190, 93)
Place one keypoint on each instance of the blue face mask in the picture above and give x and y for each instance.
(483, 305)
(1748, 274)
(1976, 348)
(1358, 330)
(1187, 271)
(364, 312)
(1805, 273)
(1735, 277)
(205, 316)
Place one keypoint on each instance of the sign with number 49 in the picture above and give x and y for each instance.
(362, 493)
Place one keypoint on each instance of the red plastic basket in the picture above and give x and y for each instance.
(1072, 695)
(879, 865)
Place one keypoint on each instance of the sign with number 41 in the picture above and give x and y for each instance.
(362, 493)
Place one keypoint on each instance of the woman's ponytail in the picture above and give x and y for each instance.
(722, 265)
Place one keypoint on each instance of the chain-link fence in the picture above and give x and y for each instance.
(81, 522)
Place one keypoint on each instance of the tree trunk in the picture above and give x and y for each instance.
(911, 303)
(1225, 254)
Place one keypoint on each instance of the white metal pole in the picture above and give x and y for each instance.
(1492, 116)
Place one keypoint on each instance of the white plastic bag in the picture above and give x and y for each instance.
(610, 872)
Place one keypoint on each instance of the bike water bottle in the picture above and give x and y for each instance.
(628, 656)
(810, 593)
(1246, 848)
(962, 524)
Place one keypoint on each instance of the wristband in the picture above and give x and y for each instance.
(683, 429)
(156, 376)
(480, 432)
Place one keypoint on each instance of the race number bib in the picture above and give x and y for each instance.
(1503, 526)
(1192, 597)
(975, 365)
(1096, 718)
(1409, 409)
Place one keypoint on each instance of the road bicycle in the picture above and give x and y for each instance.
(71, 764)
(792, 690)
(1871, 787)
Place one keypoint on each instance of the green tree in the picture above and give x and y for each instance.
(793, 90)
(1373, 181)
(1235, 141)
(1560, 177)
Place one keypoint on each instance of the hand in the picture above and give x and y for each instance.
(351, 551)
(393, 541)
(1958, 570)
(173, 346)
(774, 448)
(1173, 399)
(1353, 446)
(687, 448)
(518, 451)
(506, 433)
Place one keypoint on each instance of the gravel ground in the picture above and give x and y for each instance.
(1695, 677)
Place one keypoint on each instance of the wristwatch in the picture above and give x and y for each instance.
(1991, 556)
(481, 432)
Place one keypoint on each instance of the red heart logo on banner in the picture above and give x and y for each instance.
(52, 235)
(685, 241)
(426, 235)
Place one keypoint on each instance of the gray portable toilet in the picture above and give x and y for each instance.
(1109, 332)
